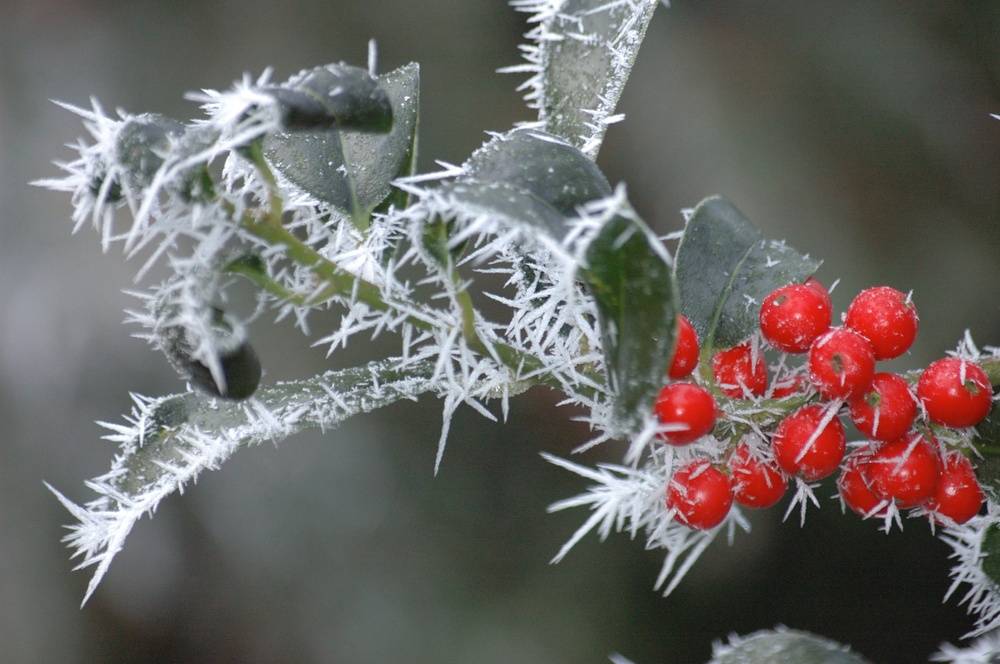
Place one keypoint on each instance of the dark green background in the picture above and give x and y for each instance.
(860, 132)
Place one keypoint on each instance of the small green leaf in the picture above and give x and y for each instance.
(784, 646)
(724, 270)
(353, 170)
(630, 279)
(142, 145)
(334, 97)
(537, 182)
(529, 178)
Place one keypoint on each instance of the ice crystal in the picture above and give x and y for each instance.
(580, 55)
(982, 596)
(984, 650)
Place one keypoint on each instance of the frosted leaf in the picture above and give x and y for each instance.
(579, 58)
(984, 650)
(352, 170)
(973, 543)
(782, 646)
(167, 442)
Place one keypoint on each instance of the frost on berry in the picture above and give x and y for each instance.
(841, 364)
(686, 352)
(741, 371)
(810, 442)
(792, 316)
(887, 318)
(758, 482)
(686, 411)
(955, 392)
(906, 470)
(958, 496)
(887, 410)
(700, 495)
(853, 488)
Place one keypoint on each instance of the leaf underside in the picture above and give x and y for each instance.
(725, 268)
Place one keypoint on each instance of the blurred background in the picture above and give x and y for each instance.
(859, 132)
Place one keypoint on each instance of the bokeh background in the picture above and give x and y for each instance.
(859, 132)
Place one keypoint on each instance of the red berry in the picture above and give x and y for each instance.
(689, 411)
(686, 351)
(792, 316)
(788, 386)
(955, 392)
(959, 496)
(700, 494)
(841, 364)
(821, 289)
(854, 491)
(887, 410)
(810, 442)
(906, 470)
(740, 371)
(886, 317)
(758, 483)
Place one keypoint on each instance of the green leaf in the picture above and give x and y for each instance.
(142, 145)
(334, 97)
(990, 562)
(527, 178)
(537, 182)
(586, 56)
(987, 444)
(784, 646)
(353, 170)
(725, 268)
(629, 275)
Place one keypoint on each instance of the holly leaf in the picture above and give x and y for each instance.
(528, 179)
(333, 97)
(539, 183)
(629, 275)
(583, 53)
(353, 169)
(725, 268)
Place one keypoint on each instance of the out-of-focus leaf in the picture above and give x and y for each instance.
(354, 170)
(784, 646)
(630, 279)
(725, 268)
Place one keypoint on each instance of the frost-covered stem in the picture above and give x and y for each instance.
(275, 205)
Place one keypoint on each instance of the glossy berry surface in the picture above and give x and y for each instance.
(887, 410)
(740, 371)
(700, 494)
(841, 364)
(906, 470)
(814, 283)
(686, 353)
(757, 483)
(955, 392)
(689, 411)
(958, 496)
(809, 443)
(853, 488)
(792, 316)
(886, 317)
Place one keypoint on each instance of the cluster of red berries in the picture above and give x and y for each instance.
(902, 464)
